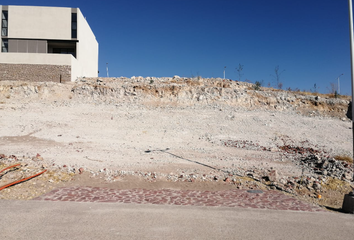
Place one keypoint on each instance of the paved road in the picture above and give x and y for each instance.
(92, 220)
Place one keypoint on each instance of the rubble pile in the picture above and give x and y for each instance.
(317, 166)
(328, 167)
(246, 144)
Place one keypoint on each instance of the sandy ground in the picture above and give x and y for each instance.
(133, 137)
(149, 145)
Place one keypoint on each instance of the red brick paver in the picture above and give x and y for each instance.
(228, 198)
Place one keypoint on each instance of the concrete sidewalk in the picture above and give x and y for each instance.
(72, 220)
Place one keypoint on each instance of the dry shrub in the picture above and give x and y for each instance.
(193, 83)
(305, 93)
(329, 95)
(260, 97)
(337, 185)
(176, 81)
(344, 158)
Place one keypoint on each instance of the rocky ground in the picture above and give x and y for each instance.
(153, 133)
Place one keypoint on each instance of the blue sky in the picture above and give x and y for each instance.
(308, 39)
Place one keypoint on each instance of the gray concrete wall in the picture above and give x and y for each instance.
(87, 48)
(36, 58)
(39, 22)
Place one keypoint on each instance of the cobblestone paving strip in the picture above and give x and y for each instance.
(229, 198)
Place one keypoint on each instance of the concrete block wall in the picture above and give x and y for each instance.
(35, 72)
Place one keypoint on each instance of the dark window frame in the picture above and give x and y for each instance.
(4, 45)
(62, 47)
(73, 25)
(65, 51)
(4, 21)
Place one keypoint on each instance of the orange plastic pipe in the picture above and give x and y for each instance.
(10, 167)
(21, 180)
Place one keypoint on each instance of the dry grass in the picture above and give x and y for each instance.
(337, 185)
(193, 82)
(328, 95)
(344, 158)
(176, 81)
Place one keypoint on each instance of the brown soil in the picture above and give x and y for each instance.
(330, 196)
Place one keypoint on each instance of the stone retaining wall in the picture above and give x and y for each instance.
(35, 73)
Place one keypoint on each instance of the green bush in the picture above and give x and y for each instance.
(257, 86)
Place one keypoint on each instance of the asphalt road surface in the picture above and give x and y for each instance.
(72, 220)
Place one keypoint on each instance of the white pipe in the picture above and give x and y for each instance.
(352, 63)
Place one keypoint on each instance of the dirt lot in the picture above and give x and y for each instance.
(127, 143)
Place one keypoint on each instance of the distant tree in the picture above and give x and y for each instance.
(333, 89)
(280, 85)
(257, 85)
(239, 71)
(277, 73)
(198, 76)
(315, 89)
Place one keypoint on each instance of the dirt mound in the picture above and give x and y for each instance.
(177, 133)
(179, 92)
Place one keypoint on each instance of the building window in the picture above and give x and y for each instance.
(4, 45)
(65, 51)
(4, 23)
(73, 25)
(62, 47)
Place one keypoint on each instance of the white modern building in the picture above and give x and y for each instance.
(46, 44)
